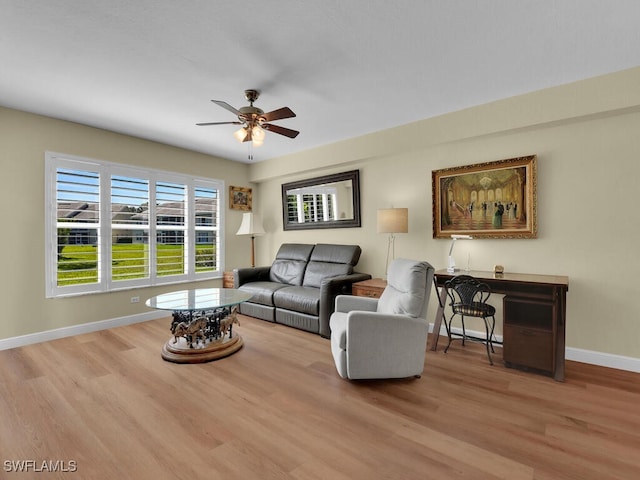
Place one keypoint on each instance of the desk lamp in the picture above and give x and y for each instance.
(251, 225)
(452, 263)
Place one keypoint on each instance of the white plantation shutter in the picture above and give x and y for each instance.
(206, 228)
(129, 228)
(77, 232)
(111, 226)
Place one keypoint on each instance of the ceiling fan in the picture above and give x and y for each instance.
(254, 121)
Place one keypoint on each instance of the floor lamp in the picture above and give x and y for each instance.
(251, 225)
(392, 221)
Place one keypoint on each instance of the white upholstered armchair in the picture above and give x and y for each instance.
(386, 337)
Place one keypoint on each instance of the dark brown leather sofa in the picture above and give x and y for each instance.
(300, 287)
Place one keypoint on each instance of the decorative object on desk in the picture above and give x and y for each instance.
(392, 221)
(239, 198)
(498, 271)
(452, 263)
(486, 200)
(330, 201)
(251, 225)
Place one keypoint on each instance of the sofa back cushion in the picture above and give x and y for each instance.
(290, 263)
(330, 261)
(406, 292)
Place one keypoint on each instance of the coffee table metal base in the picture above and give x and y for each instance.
(181, 352)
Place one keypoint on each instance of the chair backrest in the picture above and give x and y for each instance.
(330, 261)
(408, 288)
(290, 263)
(467, 290)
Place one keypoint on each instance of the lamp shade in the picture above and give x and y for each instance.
(240, 134)
(393, 220)
(251, 225)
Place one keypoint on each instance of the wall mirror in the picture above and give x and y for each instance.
(331, 201)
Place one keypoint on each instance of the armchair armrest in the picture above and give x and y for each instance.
(348, 303)
(329, 289)
(362, 323)
(246, 275)
(374, 340)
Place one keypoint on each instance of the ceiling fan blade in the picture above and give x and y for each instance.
(226, 106)
(287, 132)
(284, 112)
(218, 123)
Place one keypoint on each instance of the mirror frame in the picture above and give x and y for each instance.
(353, 175)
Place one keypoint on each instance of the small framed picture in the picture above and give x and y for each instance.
(239, 198)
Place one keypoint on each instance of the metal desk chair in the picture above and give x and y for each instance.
(468, 297)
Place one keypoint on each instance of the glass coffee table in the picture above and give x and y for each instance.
(202, 324)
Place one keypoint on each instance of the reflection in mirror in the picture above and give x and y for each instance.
(332, 201)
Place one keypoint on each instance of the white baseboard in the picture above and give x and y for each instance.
(13, 342)
(610, 360)
(591, 357)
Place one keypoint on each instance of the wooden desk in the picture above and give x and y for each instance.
(534, 314)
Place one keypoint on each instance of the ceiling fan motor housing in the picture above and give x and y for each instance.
(250, 113)
(251, 95)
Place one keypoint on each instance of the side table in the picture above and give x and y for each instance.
(227, 279)
(372, 288)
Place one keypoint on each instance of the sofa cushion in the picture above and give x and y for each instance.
(406, 288)
(290, 263)
(262, 292)
(300, 299)
(330, 261)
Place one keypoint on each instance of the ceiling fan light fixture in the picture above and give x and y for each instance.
(240, 134)
(257, 135)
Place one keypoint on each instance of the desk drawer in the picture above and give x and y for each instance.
(528, 347)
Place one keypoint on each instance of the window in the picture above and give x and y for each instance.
(312, 207)
(111, 226)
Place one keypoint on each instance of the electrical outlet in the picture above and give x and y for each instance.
(135, 299)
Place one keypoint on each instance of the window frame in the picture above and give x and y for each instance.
(106, 170)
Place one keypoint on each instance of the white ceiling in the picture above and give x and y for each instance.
(148, 68)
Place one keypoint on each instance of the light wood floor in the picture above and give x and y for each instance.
(278, 410)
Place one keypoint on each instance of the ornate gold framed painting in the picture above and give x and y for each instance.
(239, 198)
(486, 200)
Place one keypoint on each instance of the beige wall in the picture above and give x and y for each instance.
(24, 138)
(586, 136)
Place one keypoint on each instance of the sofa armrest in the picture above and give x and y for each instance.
(330, 288)
(246, 275)
(341, 285)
